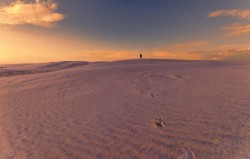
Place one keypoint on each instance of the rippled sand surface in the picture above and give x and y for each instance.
(78, 110)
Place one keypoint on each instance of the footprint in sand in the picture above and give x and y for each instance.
(186, 153)
(174, 77)
(152, 95)
(158, 123)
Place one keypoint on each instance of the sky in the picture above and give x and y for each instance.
(33, 31)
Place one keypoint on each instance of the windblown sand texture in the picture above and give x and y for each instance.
(81, 110)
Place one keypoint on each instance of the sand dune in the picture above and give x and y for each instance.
(81, 110)
(25, 69)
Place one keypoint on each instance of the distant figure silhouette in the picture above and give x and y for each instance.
(140, 56)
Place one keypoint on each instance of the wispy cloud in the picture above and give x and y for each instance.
(242, 14)
(199, 50)
(227, 52)
(189, 45)
(180, 51)
(107, 55)
(39, 13)
(234, 54)
(237, 29)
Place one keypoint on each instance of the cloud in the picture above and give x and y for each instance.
(242, 14)
(107, 55)
(237, 54)
(236, 29)
(227, 52)
(162, 54)
(190, 45)
(180, 51)
(185, 46)
(40, 13)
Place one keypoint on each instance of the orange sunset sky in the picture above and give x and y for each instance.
(34, 31)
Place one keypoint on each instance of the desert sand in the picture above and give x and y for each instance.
(134, 109)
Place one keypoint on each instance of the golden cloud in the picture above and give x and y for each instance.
(184, 51)
(240, 54)
(189, 45)
(184, 46)
(228, 52)
(234, 29)
(107, 55)
(40, 13)
(237, 29)
(242, 14)
(162, 54)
